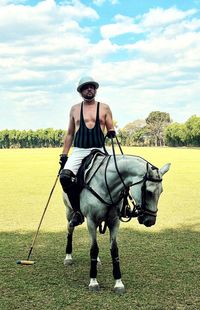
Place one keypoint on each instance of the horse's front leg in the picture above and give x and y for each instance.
(94, 251)
(119, 286)
(68, 258)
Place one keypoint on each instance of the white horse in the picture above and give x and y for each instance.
(107, 181)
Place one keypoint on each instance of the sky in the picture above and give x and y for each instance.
(144, 54)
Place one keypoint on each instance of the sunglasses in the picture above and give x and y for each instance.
(87, 86)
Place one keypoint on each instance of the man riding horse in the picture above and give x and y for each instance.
(87, 122)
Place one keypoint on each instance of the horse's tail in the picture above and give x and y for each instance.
(102, 228)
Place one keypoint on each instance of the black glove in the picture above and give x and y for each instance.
(63, 160)
(111, 134)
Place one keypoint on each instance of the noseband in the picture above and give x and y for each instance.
(143, 207)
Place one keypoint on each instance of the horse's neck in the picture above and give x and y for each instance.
(130, 168)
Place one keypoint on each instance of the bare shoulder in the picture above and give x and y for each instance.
(105, 107)
(75, 108)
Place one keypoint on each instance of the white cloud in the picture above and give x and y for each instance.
(44, 49)
(17, 21)
(42, 53)
(101, 2)
(152, 22)
(122, 25)
(161, 17)
(98, 2)
(102, 49)
(45, 38)
(168, 51)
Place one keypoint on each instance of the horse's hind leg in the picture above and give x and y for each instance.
(119, 286)
(68, 259)
(94, 251)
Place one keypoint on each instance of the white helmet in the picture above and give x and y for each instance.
(86, 80)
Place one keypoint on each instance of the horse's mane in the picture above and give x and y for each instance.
(140, 157)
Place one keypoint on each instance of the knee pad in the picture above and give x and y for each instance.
(67, 179)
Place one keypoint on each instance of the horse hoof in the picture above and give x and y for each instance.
(68, 260)
(119, 287)
(119, 290)
(94, 288)
(94, 285)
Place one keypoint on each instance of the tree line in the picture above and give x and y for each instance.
(156, 130)
(31, 139)
(187, 134)
(159, 130)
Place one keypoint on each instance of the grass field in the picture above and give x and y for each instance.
(160, 265)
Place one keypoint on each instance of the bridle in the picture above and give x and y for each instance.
(146, 178)
(138, 209)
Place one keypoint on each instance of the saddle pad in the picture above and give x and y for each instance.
(87, 164)
(91, 164)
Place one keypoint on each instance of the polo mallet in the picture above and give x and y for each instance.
(28, 261)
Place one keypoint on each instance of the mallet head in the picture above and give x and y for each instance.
(25, 262)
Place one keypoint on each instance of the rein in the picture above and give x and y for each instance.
(87, 186)
(137, 209)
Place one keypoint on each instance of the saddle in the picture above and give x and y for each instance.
(87, 163)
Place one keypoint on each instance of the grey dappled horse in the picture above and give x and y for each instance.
(107, 181)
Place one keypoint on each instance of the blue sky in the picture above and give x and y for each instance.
(144, 54)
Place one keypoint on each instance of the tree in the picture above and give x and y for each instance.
(133, 133)
(193, 130)
(140, 136)
(59, 136)
(175, 134)
(122, 136)
(23, 139)
(156, 123)
(187, 134)
(4, 139)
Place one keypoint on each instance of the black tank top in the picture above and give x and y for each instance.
(87, 138)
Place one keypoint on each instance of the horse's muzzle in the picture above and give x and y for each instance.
(147, 220)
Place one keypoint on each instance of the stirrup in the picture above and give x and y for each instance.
(77, 219)
(126, 212)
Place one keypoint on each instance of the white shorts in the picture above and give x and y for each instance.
(74, 161)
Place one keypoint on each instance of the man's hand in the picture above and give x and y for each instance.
(111, 134)
(63, 160)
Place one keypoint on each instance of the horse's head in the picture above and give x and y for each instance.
(150, 191)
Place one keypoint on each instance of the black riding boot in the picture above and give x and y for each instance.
(70, 187)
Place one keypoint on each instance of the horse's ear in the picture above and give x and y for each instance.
(165, 168)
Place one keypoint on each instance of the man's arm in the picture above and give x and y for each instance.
(109, 120)
(69, 136)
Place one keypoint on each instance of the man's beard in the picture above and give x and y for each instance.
(89, 97)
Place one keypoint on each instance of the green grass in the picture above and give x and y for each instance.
(160, 265)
